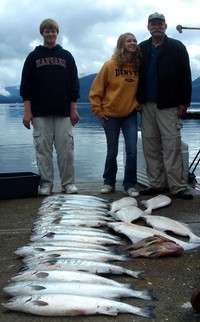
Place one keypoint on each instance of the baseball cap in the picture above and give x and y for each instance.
(156, 15)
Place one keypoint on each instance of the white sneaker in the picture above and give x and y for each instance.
(71, 189)
(44, 191)
(107, 189)
(131, 192)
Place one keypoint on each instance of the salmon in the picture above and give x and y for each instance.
(73, 305)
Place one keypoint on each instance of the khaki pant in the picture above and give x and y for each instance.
(54, 131)
(161, 139)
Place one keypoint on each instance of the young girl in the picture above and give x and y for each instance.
(113, 99)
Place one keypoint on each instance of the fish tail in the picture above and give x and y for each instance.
(117, 251)
(136, 274)
(194, 239)
(23, 269)
(148, 211)
(114, 248)
(148, 295)
(147, 311)
(126, 257)
(131, 286)
(123, 257)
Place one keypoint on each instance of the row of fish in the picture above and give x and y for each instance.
(71, 246)
(72, 242)
(153, 241)
(159, 226)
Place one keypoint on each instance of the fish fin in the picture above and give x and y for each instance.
(42, 275)
(54, 255)
(37, 287)
(49, 235)
(39, 249)
(51, 262)
(39, 303)
(56, 221)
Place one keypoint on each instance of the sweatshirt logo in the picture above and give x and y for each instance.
(47, 61)
(128, 75)
(123, 72)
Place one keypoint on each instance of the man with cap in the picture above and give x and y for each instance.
(164, 94)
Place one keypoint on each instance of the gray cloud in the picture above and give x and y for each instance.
(88, 29)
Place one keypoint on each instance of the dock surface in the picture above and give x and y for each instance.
(172, 279)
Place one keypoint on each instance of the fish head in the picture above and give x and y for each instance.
(28, 275)
(21, 301)
(165, 249)
(16, 301)
(172, 248)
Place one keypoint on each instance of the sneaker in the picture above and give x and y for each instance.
(71, 189)
(44, 191)
(107, 189)
(184, 194)
(131, 192)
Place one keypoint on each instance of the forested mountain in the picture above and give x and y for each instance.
(196, 90)
(85, 84)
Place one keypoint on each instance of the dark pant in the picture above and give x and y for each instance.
(128, 125)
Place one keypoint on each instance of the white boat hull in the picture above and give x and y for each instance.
(141, 163)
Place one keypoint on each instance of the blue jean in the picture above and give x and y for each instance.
(128, 125)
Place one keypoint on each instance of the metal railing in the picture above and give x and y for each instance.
(180, 28)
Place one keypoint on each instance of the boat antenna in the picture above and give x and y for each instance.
(180, 28)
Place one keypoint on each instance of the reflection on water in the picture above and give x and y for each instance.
(17, 151)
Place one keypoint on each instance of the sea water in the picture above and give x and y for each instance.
(17, 152)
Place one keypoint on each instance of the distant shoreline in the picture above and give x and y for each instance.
(192, 113)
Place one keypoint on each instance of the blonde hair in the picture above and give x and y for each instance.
(119, 51)
(50, 24)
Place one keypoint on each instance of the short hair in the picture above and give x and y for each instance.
(50, 24)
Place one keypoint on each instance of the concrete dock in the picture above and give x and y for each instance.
(172, 279)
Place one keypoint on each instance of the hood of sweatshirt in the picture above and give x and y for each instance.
(43, 49)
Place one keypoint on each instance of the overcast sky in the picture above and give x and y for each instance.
(89, 30)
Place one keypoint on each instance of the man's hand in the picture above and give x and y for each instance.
(181, 111)
(27, 119)
(74, 117)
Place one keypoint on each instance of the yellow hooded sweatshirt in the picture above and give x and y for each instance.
(113, 91)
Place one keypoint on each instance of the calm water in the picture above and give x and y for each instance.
(17, 151)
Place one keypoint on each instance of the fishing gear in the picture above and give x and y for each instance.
(191, 175)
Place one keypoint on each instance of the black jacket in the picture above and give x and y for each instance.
(173, 72)
(50, 81)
